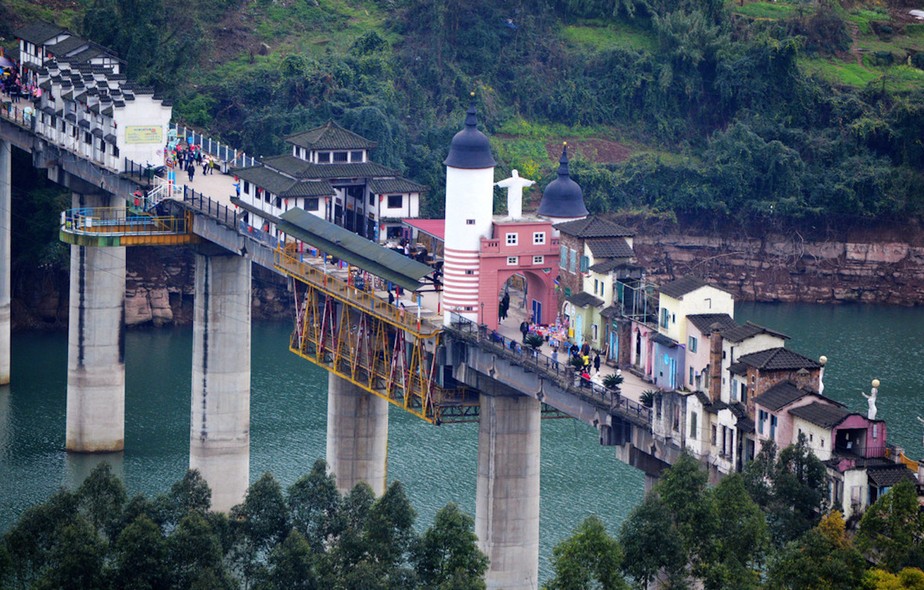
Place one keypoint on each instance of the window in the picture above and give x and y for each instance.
(372, 198)
(469, 222)
(469, 272)
(743, 395)
(538, 238)
(538, 259)
(395, 201)
(87, 138)
(822, 443)
(596, 286)
(772, 427)
(761, 419)
(572, 264)
(356, 156)
(340, 156)
(602, 288)
(562, 257)
(512, 239)
(323, 157)
(714, 435)
(585, 263)
(311, 204)
(665, 318)
(512, 260)
(691, 375)
(692, 344)
(694, 419)
(246, 187)
(875, 430)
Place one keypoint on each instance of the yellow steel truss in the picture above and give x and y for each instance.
(372, 344)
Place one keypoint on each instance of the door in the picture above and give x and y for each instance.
(614, 346)
(579, 329)
(537, 311)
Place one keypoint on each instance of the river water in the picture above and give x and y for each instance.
(435, 464)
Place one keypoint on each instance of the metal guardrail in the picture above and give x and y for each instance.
(561, 370)
(213, 209)
(118, 221)
(224, 152)
(24, 116)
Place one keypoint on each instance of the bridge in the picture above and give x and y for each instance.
(439, 366)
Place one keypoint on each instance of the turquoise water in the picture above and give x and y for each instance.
(436, 464)
(288, 427)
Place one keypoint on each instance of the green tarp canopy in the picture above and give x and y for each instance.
(354, 249)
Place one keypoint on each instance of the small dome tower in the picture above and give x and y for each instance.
(562, 199)
(469, 210)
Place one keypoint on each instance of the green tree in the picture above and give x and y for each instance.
(195, 554)
(891, 531)
(907, 579)
(140, 557)
(101, 498)
(447, 556)
(291, 565)
(823, 558)
(650, 543)
(799, 492)
(75, 559)
(590, 558)
(314, 506)
(740, 540)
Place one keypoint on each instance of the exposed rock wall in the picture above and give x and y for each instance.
(159, 291)
(790, 269)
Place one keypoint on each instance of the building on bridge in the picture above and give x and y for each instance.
(329, 174)
(85, 105)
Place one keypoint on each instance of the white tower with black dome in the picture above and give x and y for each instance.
(469, 210)
(562, 199)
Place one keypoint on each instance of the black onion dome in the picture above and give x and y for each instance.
(470, 148)
(563, 197)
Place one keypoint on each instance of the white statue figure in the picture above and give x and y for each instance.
(514, 186)
(871, 399)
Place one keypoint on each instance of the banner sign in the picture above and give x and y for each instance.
(141, 134)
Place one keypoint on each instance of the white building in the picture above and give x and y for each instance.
(329, 174)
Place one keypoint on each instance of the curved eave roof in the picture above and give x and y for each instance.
(357, 250)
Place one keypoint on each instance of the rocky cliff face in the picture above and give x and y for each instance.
(159, 291)
(790, 269)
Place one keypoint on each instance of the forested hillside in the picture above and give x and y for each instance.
(722, 114)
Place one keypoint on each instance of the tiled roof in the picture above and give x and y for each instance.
(738, 369)
(309, 188)
(610, 312)
(265, 178)
(584, 299)
(680, 287)
(594, 227)
(705, 321)
(660, 338)
(299, 168)
(282, 185)
(824, 415)
(62, 48)
(780, 395)
(890, 475)
(330, 136)
(778, 359)
(749, 330)
(610, 248)
(39, 32)
(382, 186)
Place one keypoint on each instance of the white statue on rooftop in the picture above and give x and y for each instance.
(514, 186)
(871, 399)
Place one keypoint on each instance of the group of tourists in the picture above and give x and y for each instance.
(187, 157)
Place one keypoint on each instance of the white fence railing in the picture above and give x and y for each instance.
(226, 154)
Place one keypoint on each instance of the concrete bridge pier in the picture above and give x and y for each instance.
(95, 344)
(6, 227)
(219, 438)
(357, 436)
(507, 492)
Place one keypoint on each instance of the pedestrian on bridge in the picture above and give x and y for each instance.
(191, 170)
(597, 362)
(524, 329)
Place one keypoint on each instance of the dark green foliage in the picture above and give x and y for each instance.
(821, 558)
(140, 557)
(447, 555)
(891, 532)
(589, 558)
(612, 381)
(649, 543)
(314, 506)
(791, 490)
(534, 341)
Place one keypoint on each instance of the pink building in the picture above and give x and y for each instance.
(519, 247)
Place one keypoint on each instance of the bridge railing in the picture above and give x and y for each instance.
(119, 221)
(213, 209)
(224, 152)
(21, 114)
(561, 370)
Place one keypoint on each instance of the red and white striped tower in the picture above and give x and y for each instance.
(469, 210)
